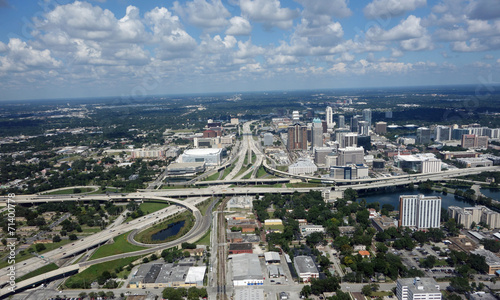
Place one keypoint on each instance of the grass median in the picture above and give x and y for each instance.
(120, 245)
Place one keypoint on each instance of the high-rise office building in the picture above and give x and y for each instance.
(381, 127)
(474, 141)
(367, 116)
(457, 133)
(350, 139)
(341, 121)
(443, 133)
(354, 122)
(363, 128)
(317, 133)
(423, 135)
(297, 137)
(329, 117)
(295, 116)
(351, 156)
(419, 211)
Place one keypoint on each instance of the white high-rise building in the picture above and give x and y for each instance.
(419, 211)
(417, 289)
(295, 116)
(317, 133)
(329, 117)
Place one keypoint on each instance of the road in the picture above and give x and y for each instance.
(201, 226)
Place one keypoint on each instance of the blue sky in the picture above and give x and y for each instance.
(132, 49)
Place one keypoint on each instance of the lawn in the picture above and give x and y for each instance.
(261, 172)
(90, 274)
(42, 270)
(302, 185)
(242, 170)
(70, 191)
(205, 239)
(275, 227)
(121, 245)
(214, 176)
(151, 206)
(228, 170)
(204, 206)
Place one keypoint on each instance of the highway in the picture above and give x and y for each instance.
(202, 224)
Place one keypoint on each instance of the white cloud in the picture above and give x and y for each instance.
(473, 46)
(478, 26)
(336, 8)
(173, 41)
(282, 60)
(19, 57)
(239, 26)
(409, 28)
(269, 12)
(417, 44)
(391, 8)
(320, 32)
(247, 50)
(211, 16)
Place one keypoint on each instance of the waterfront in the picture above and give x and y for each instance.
(392, 198)
(171, 230)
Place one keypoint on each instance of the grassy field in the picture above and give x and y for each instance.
(204, 207)
(261, 172)
(302, 184)
(42, 270)
(151, 206)
(70, 191)
(145, 235)
(275, 227)
(205, 239)
(121, 245)
(90, 274)
(214, 176)
(228, 170)
(242, 170)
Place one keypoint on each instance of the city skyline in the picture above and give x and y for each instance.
(66, 49)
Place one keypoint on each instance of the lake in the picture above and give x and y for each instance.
(493, 193)
(171, 230)
(393, 198)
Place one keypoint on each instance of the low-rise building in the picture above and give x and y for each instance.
(246, 269)
(302, 167)
(306, 230)
(475, 162)
(417, 289)
(492, 260)
(185, 169)
(383, 223)
(305, 268)
(238, 248)
(269, 222)
(272, 257)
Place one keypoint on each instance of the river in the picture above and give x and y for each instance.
(393, 198)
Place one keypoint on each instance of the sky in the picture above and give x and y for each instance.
(135, 49)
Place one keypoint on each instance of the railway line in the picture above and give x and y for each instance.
(221, 252)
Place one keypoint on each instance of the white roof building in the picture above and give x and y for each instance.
(302, 167)
(305, 267)
(211, 156)
(246, 269)
(195, 275)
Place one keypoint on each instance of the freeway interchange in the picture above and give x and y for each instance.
(192, 196)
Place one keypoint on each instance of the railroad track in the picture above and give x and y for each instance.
(221, 252)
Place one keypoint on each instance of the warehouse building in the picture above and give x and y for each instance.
(246, 269)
